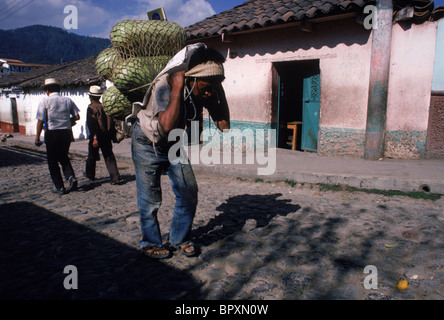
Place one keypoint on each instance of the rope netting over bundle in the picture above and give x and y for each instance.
(140, 50)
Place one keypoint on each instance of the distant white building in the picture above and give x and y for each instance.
(20, 94)
(4, 68)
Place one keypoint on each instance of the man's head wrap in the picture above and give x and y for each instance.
(206, 70)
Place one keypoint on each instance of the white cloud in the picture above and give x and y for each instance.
(91, 15)
(97, 17)
(182, 12)
(194, 11)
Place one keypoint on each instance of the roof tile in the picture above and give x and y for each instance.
(74, 74)
(260, 13)
(254, 14)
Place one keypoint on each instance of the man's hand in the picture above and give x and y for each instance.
(39, 132)
(218, 109)
(37, 142)
(95, 143)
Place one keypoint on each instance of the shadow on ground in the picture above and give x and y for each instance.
(36, 245)
(237, 211)
(89, 185)
(17, 155)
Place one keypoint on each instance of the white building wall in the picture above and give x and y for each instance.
(410, 86)
(343, 49)
(27, 109)
(411, 76)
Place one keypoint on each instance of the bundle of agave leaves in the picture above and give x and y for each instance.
(140, 50)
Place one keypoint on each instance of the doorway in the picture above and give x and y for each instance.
(296, 86)
(14, 115)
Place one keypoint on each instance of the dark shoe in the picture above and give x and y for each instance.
(72, 183)
(59, 191)
(88, 177)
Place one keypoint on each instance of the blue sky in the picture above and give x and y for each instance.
(97, 17)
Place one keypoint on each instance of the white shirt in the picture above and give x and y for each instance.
(56, 111)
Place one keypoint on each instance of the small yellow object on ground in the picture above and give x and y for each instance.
(402, 285)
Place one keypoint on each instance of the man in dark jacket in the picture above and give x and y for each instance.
(101, 135)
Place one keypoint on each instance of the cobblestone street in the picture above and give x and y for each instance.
(259, 240)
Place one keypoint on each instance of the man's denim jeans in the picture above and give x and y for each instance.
(148, 169)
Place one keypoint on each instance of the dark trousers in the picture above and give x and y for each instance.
(57, 148)
(106, 146)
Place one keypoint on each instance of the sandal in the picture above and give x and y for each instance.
(156, 252)
(187, 249)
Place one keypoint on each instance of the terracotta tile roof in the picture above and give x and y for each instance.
(14, 62)
(255, 14)
(71, 74)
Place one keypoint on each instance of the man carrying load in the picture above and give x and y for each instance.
(177, 98)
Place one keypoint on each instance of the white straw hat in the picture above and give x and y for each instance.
(95, 91)
(51, 82)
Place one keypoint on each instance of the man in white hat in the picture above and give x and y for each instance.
(101, 135)
(58, 113)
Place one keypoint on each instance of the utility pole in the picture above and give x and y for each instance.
(379, 80)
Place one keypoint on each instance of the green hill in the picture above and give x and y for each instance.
(48, 45)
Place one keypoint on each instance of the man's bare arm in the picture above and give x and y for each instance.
(168, 118)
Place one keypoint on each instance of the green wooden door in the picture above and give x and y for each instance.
(310, 112)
